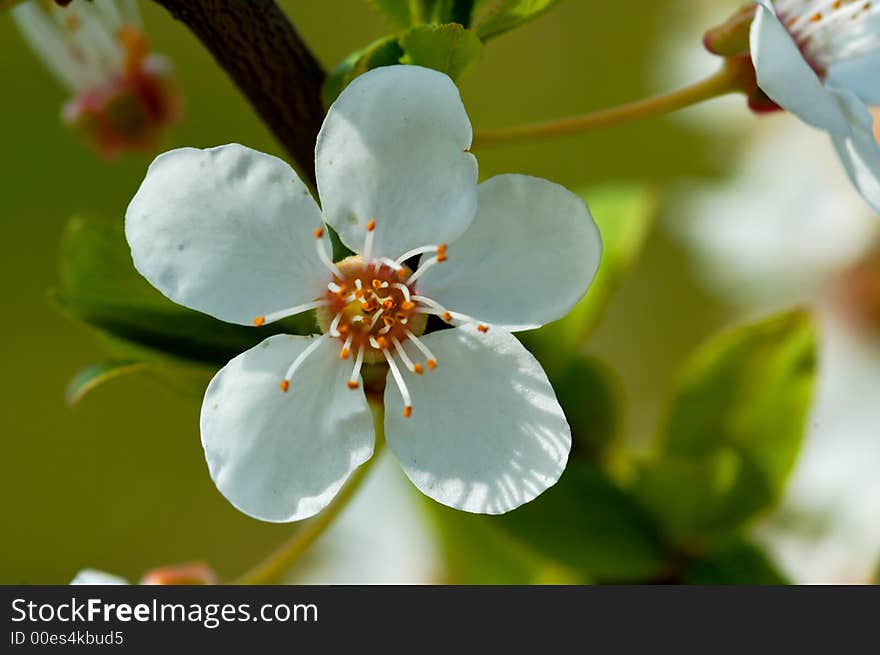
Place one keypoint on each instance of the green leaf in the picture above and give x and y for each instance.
(583, 529)
(590, 525)
(624, 215)
(734, 561)
(95, 375)
(734, 428)
(406, 13)
(100, 286)
(592, 398)
(476, 552)
(381, 52)
(500, 16)
(449, 48)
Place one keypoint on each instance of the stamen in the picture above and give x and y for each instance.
(424, 267)
(292, 311)
(421, 251)
(334, 325)
(432, 361)
(390, 263)
(368, 244)
(353, 381)
(415, 368)
(401, 385)
(299, 361)
(376, 318)
(404, 290)
(346, 348)
(322, 253)
(436, 309)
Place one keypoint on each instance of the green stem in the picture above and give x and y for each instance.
(729, 79)
(273, 568)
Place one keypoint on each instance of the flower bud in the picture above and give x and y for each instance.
(194, 573)
(123, 97)
(130, 112)
(731, 38)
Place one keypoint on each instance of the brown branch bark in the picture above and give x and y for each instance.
(266, 58)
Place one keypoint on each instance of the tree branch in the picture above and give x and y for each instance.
(263, 54)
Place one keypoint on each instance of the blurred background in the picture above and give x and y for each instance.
(119, 482)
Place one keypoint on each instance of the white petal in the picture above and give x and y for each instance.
(393, 148)
(786, 77)
(282, 456)
(859, 152)
(91, 576)
(859, 76)
(527, 258)
(227, 231)
(486, 433)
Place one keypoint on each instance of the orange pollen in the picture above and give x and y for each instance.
(388, 320)
(343, 329)
(432, 364)
(447, 317)
(402, 273)
(352, 384)
(383, 343)
(483, 328)
(377, 284)
(319, 233)
(407, 411)
(344, 353)
(388, 303)
(259, 320)
(417, 369)
(285, 385)
(371, 226)
(407, 305)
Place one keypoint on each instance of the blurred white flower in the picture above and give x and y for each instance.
(228, 231)
(123, 97)
(92, 576)
(382, 537)
(778, 229)
(780, 232)
(820, 60)
(828, 528)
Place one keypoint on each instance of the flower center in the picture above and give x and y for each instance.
(828, 31)
(372, 306)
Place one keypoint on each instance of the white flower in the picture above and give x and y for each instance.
(228, 231)
(91, 576)
(820, 60)
(122, 97)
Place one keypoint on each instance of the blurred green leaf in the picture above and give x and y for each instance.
(735, 426)
(381, 52)
(500, 16)
(585, 528)
(406, 13)
(624, 215)
(476, 552)
(449, 48)
(734, 561)
(589, 524)
(95, 375)
(100, 286)
(592, 398)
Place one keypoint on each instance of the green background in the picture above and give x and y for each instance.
(120, 482)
